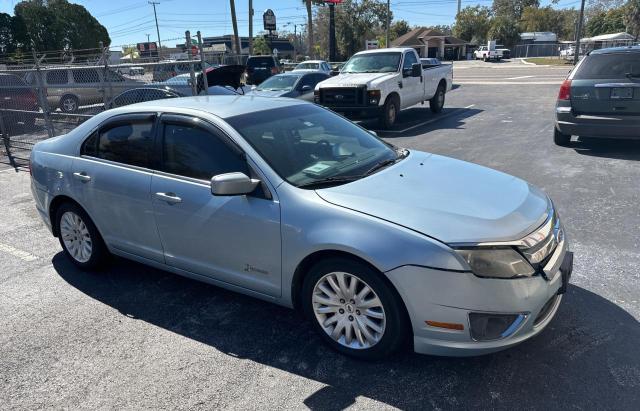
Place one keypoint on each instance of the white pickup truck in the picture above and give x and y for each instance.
(485, 54)
(380, 83)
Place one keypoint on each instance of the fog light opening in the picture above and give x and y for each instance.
(487, 326)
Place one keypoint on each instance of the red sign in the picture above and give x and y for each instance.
(194, 50)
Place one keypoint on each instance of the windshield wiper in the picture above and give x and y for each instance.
(329, 181)
(401, 153)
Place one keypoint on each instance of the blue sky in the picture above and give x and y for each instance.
(128, 21)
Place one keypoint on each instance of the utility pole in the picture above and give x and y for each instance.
(576, 53)
(250, 27)
(388, 23)
(459, 6)
(332, 32)
(154, 4)
(147, 34)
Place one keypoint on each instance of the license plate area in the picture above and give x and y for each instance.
(621, 93)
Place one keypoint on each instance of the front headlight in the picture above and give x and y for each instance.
(496, 262)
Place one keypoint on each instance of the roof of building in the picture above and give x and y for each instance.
(606, 37)
(412, 38)
(454, 41)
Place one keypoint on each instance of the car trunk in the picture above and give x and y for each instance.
(607, 84)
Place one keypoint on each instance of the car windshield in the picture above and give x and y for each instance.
(312, 147)
(609, 66)
(278, 83)
(373, 63)
(307, 66)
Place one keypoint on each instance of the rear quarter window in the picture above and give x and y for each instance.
(608, 66)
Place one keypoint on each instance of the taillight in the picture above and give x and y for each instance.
(565, 90)
(274, 70)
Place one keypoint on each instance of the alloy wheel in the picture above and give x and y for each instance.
(76, 237)
(348, 310)
(69, 104)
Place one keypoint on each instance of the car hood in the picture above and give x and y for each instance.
(447, 199)
(268, 93)
(355, 79)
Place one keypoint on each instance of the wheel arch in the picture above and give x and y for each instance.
(55, 204)
(393, 94)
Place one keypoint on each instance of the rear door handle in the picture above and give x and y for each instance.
(82, 176)
(170, 198)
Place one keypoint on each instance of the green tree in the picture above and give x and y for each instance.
(606, 22)
(473, 23)
(260, 46)
(7, 43)
(56, 25)
(562, 21)
(512, 8)
(632, 18)
(398, 28)
(504, 30)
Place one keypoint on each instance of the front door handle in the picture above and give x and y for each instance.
(82, 176)
(170, 198)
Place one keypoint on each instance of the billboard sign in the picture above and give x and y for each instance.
(269, 20)
(147, 50)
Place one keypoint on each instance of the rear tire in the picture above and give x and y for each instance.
(390, 112)
(69, 103)
(561, 139)
(79, 237)
(370, 324)
(437, 101)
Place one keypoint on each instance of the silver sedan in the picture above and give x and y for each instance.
(288, 202)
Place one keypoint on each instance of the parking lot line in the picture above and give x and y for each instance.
(23, 255)
(519, 77)
(510, 83)
(449, 114)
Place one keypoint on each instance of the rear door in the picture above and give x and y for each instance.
(606, 84)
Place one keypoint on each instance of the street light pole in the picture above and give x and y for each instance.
(250, 27)
(154, 3)
(388, 22)
(332, 32)
(576, 53)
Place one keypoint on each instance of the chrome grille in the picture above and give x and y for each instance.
(343, 96)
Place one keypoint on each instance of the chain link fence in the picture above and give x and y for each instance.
(50, 93)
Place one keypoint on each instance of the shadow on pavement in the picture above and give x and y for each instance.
(586, 358)
(416, 120)
(608, 148)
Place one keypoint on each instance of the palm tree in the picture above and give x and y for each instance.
(236, 41)
(309, 26)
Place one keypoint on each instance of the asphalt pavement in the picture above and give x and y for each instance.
(133, 337)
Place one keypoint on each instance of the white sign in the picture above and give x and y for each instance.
(372, 45)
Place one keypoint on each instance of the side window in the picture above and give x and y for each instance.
(57, 77)
(194, 152)
(307, 80)
(90, 146)
(128, 143)
(409, 60)
(128, 97)
(317, 78)
(85, 76)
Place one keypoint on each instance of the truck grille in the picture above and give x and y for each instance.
(343, 96)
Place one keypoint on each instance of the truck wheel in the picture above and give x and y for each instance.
(484, 58)
(561, 139)
(437, 101)
(390, 112)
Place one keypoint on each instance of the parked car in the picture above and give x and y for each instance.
(314, 65)
(568, 52)
(601, 97)
(135, 71)
(15, 94)
(295, 84)
(485, 54)
(260, 68)
(380, 83)
(503, 52)
(167, 69)
(286, 201)
(68, 88)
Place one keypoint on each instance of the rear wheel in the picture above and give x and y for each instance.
(353, 309)
(560, 138)
(69, 103)
(80, 238)
(437, 101)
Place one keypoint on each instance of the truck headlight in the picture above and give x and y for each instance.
(373, 97)
(496, 262)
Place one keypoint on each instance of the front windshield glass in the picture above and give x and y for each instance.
(277, 83)
(373, 63)
(307, 66)
(306, 144)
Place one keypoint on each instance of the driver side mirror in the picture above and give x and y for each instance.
(306, 88)
(416, 70)
(233, 184)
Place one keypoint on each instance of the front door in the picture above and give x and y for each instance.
(234, 239)
(412, 87)
(111, 180)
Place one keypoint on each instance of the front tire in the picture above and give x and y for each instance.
(561, 139)
(437, 101)
(80, 238)
(69, 103)
(353, 309)
(390, 112)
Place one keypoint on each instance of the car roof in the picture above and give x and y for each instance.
(624, 49)
(385, 50)
(312, 61)
(221, 105)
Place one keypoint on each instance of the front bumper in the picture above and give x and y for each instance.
(442, 296)
(604, 126)
(357, 112)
